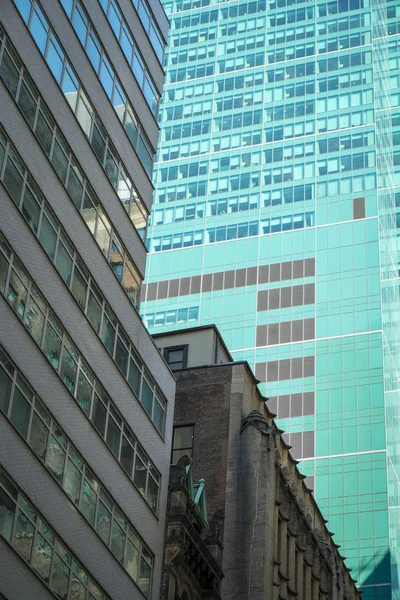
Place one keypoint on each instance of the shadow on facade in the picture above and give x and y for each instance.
(375, 586)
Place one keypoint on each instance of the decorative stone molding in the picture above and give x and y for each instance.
(214, 532)
(178, 474)
(257, 420)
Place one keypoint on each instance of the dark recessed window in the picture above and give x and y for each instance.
(182, 443)
(176, 357)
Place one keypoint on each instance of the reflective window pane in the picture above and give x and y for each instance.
(134, 377)
(79, 288)
(59, 578)
(64, 263)
(39, 29)
(99, 416)
(34, 321)
(103, 525)
(131, 559)
(23, 537)
(3, 271)
(144, 576)
(113, 436)
(12, 180)
(75, 186)
(38, 436)
(31, 209)
(94, 312)
(140, 475)
(52, 346)
(59, 159)
(20, 412)
(117, 541)
(72, 481)
(84, 392)
(55, 58)
(88, 502)
(146, 397)
(108, 335)
(7, 512)
(121, 356)
(152, 493)
(5, 390)
(69, 369)
(44, 132)
(55, 460)
(9, 72)
(41, 559)
(127, 455)
(17, 293)
(48, 237)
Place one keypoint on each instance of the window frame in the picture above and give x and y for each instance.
(185, 352)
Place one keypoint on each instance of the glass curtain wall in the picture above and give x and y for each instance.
(277, 184)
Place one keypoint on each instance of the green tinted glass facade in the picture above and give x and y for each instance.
(275, 218)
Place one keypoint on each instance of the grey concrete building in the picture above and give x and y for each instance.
(274, 541)
(86, 400)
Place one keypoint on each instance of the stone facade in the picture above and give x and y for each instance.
(276, 544)
(192, 549)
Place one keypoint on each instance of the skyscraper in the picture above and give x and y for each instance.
(86, 401)
(274, 218)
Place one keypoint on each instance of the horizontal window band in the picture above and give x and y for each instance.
(285, 297)
(292, 405)
(87, 118)
(27, 413)
(65, 164)
(210, 282)
(35, 209)
(34, 312)
(287, 368)
(285, 332)
(302, 442)
(24, 528)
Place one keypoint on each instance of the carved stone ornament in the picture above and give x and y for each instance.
(302, 504)
(309, 519)
(172, 553)
(293, 489)
(258, 421)
(285, 473)
(178, 471)
(215, 530)
(277, 458)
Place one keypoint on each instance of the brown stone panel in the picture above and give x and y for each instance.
(229, 281)
(206, 284)
(152, 291)
(263, 274)
(251, 276)
(185, 286)
(299, 404)
(287, 368)
(240, 277)
(195, 284)
(173, 289)
(162, 289)
(261, 335)
(235, 278)
(218, 281)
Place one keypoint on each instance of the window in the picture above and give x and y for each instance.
(176, 357)
(182, 443)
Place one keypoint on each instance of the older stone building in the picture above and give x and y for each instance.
(193, 550)
(276, 544)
